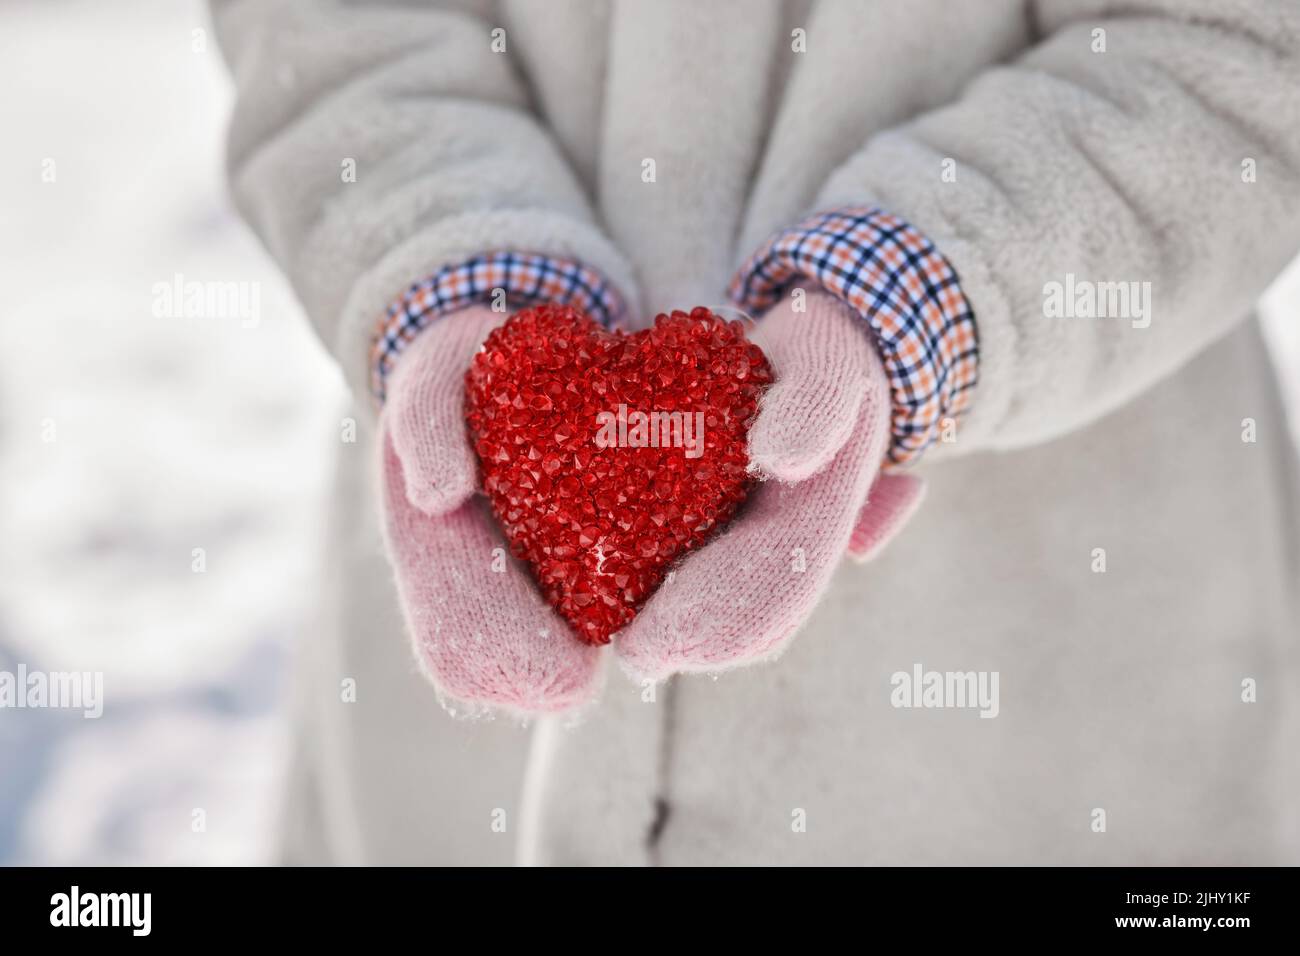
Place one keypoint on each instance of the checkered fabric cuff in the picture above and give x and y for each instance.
(906, 290)
(526, 278)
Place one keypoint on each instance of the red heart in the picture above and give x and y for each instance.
(580, 488)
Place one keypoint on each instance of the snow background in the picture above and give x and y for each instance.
(171, 434)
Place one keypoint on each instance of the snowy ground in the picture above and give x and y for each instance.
(169, 434)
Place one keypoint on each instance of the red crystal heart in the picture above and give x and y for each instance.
(608, 455)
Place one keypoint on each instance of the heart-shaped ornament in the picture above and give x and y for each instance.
(605, 455)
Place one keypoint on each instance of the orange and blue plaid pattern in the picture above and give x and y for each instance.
(897, 280)
(524, 278)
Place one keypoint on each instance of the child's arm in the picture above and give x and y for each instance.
(1171, 159)
(1149, 143)
(373, 144)
(389, 160)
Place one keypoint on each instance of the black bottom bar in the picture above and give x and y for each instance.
(337, 907)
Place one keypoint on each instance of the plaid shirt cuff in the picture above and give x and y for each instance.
(526, 279)
(903, 287)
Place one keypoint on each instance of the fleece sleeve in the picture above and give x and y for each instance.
(1112, 201)
(373, 144)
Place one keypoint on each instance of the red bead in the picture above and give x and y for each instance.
(602, 525)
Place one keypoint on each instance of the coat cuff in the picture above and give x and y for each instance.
(525, 278)
(904, 288)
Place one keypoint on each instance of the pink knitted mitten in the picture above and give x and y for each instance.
(481, 630)
(820, 439)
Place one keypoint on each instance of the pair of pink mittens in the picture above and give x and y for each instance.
(480, 627)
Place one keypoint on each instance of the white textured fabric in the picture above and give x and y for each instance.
(1120, 690)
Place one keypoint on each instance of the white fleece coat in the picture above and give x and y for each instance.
(1099, 533)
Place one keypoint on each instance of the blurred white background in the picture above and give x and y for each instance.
(170, 434)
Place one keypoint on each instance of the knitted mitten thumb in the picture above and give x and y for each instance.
(425, 410)
(825, 370)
